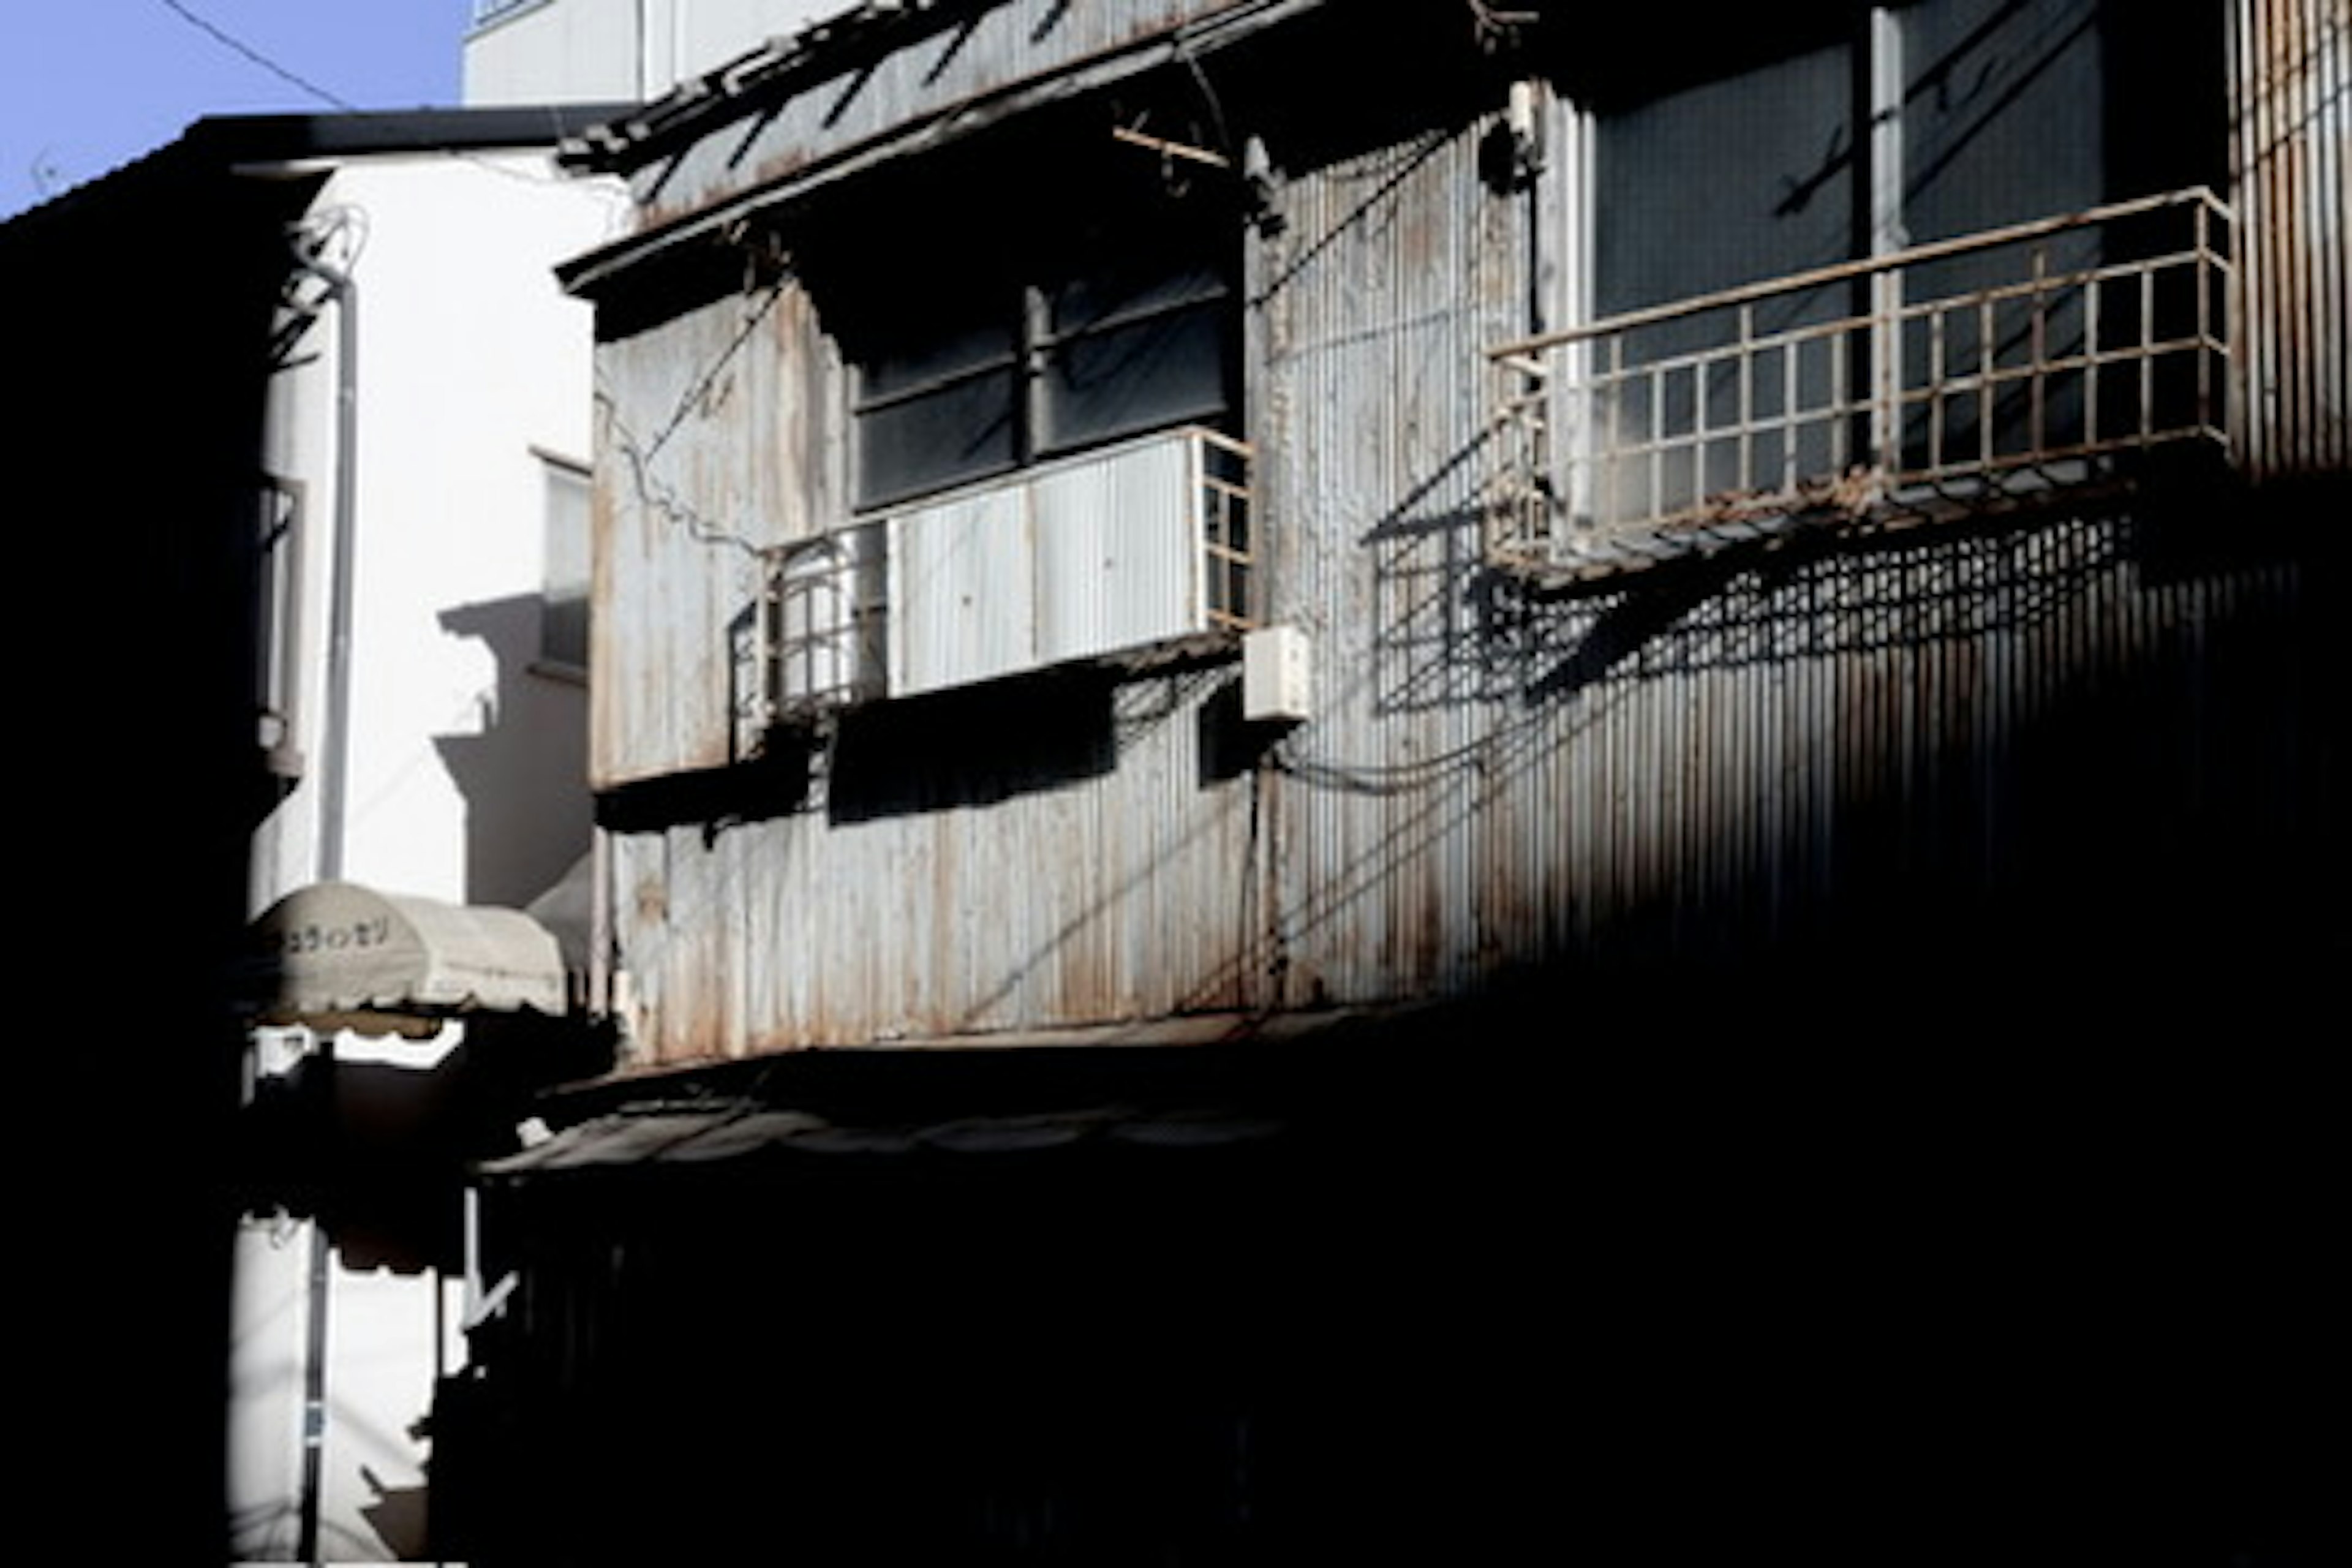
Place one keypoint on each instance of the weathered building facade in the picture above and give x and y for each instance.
(1524, 605)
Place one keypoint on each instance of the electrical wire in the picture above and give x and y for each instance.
(640, 454)
(236, 45)
(333, 100)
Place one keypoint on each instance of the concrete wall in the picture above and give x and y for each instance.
(585, 51)
(465, 777)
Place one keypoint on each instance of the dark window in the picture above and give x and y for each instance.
(563, 624)
(1043, 333)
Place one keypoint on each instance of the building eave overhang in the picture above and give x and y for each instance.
(225, 145)
(708, 104)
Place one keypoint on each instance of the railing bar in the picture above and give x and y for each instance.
(1745, 438)
(2086, 275)
(1658, 442)
(2091, 362)
(2130, 356)
(1789, 421)
(1700, 357)
(1936, 371)
(2204, 323)
(1840, 271)
(1986, 357)
(1839, 410)
(1937, 311)
(2037, 341)
(1611, 468)
(2055, 454)
(2147, 356)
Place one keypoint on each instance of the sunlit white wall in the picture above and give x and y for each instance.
(472, 369)
(588, 51)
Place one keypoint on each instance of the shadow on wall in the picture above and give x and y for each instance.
(524, 778)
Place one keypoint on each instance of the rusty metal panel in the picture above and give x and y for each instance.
(1017, 903)
(715, 440)
(951, 71)
(1683, 772)
(1388, 266)
(2292, 115)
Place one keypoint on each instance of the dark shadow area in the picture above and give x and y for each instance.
(399, 1516)
(774, 784)
(1658, 1305)
(973, 745)
(1434, 597)
(378, 1153)
(143, 707)
(966, 746)
(525, 777)
(1231, 744)
(2082, 769)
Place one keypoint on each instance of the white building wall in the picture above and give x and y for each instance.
(269, 1317)
(591, 51)
(471, 364)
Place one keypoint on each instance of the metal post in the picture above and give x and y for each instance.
(1885, 169)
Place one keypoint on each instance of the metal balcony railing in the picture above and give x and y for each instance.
(1228, 549)
(1943, 375)
(1128, 548)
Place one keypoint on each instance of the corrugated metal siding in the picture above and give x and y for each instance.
(1037, 901)
(2294, 197)
(1394, 267)
(1119, 552)
(718, 433)
(1075, 560)
(2054, 733)
(954, 69)
(962, 589)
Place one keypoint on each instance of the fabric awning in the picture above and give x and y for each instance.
(339, 955)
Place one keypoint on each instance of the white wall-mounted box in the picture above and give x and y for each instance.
(1277, 676)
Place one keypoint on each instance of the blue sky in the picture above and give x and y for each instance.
(87, 85)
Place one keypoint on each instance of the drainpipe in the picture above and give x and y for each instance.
(333, 787)
(335, 749)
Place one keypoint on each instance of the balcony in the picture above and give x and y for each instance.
(1938, 379)
(1112, 554)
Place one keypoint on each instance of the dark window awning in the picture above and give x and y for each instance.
(338, 955)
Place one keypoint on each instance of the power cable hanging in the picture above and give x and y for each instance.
(333, 100)
(236, 45)
(639, 453)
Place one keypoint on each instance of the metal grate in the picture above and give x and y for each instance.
(817, 633)
(1939, 375)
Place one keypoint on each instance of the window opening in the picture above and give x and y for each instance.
(1103, 309)
(1901, 267)
(563, 618)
